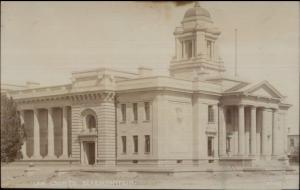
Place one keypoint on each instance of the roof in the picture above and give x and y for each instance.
(197, 12)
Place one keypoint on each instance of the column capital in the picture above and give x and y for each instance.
(65, 108)
(221, 105)
(267, 109)
(50, 109)
(241, 105)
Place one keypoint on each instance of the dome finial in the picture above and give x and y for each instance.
(197, 4)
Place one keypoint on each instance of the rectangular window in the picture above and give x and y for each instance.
(210, 146)
(209, 49)
(147, 143)
(210, 113)
(135, 111)
(147, 111)
(135, 144)
(292, 142)
(124, 144)
(123, 110)
(189, 48)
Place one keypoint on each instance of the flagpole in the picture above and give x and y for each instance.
(235, 52)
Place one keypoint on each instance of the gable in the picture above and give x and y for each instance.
(264, 90)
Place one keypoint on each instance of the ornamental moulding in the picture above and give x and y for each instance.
(106, 96)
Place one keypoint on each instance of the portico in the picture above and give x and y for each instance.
(251, 127)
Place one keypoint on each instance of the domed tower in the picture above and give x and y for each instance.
(196, 54)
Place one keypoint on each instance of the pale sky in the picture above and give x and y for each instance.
(45, 41)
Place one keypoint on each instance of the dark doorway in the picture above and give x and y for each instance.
(210, 146)
(90, 152)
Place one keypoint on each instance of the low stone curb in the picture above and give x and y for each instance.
(171, 170)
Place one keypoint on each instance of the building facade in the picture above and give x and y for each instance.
(195, 116)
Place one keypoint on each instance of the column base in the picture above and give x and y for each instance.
(50, 157)
(36, 158)
(279, 157)
(63, 157)
(109, 163)
(254, 157)
(265, 157)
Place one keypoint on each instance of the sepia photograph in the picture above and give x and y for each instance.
(150, 94)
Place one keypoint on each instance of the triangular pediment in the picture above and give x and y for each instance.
(264, 89)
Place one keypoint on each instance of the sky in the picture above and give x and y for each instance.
(46, 41)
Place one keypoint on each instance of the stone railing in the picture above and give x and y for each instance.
(43, 91)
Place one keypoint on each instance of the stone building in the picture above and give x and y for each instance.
(195, 116)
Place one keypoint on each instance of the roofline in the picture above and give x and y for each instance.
(269, 84)
(103, 69)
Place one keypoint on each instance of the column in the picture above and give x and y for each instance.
(241, 131)
(253, 132)
(215, 138)
(265, 126)
(65, 131)
(247, 132)
(193, 49)
(81, 153)
(178, 49)
(275, 139)
(24, 148)
(183, 50)
(36, 135)
(258, 130)
(236, 135)
(222, 131)
(50, 134)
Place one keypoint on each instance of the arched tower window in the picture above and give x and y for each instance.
(90, 121)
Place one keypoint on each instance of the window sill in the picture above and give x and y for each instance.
(146, 121)
(211, 122)
(147, 153)
(135, 153)
(122, 122)
(135, 122)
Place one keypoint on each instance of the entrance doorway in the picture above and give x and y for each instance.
(89, 153)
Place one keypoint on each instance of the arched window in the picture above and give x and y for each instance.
(90, 122)
(89, 119)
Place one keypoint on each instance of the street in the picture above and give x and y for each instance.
(48, 177)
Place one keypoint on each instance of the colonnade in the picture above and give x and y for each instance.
(264, 138)
(50, 126)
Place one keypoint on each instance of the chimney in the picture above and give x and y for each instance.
(144, 71)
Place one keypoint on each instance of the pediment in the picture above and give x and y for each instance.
(264, 89)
